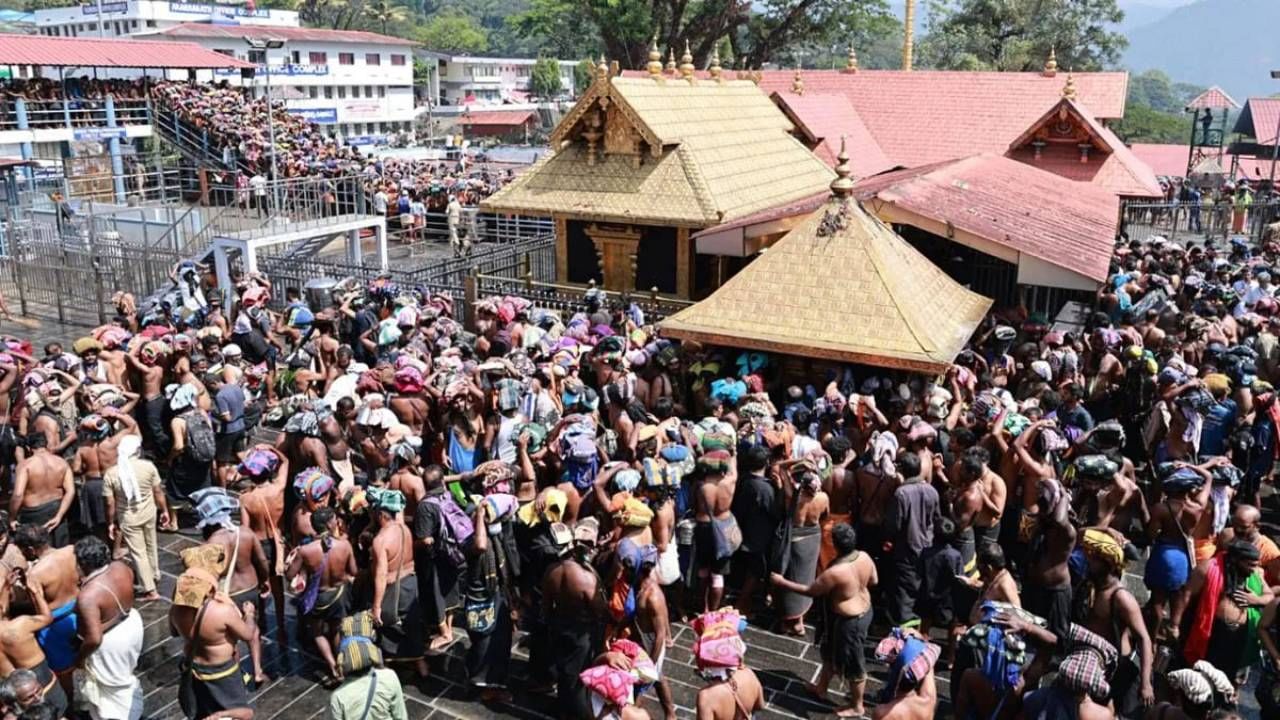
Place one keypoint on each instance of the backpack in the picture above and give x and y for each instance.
(455, 527)
(201, 444)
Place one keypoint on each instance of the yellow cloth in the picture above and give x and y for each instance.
(553, 501)
(1217, 383)
(1102, 546)
(1205, 549)
(633, 513)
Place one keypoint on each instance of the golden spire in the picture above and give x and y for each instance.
(602, 70)
(851, 63)
(797, 83)
(655, 59)
(671, 61)
(715, 65)
(1051, 63)
(1069, 90)
(842, 186)
(686, 62)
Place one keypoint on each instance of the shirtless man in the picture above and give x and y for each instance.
(991, 491)
(1115, 615)
(149, 377)
(1047, 591)
(845, 587)
(19, 646)
(713, 504)
(573, 609)
(910, 702)
(395, 588)
(841, 487)
(249, 575)
(47, 421)
(1110, 500)
(1172, 556)
(876, 483)
(212, 627)
(93, 458)
(43, 490)
(315, 488)
(262, 512)
(1242, 590)
(406, 477)
(408, 404)
(53, 570)
(653, 627)
(327, 565)
(736, 696)
(111, 634)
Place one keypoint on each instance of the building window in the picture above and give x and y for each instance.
(397, 59)
(313, 92)
(372, 59)
(151, 23)
(342, 92)
(382, 91)
(318, 58)
(258, 57)
(328, 92)
(368, 91)
(224, 51)
(346, 58)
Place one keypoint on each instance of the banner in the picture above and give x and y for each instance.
(115, 7)
(191, 8)
(282, 70)
(97, 134)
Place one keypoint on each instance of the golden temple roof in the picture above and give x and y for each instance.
(841, 286)
(667, 150)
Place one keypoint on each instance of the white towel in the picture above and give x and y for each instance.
(126, 451)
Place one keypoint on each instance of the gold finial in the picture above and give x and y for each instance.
(602, 70)
(797, 83)
(686, 62)
(671, 61)
(1051, 63)
(715, 65)
(842, 186)
(655, 59)
(1069, 90)
(851, 63)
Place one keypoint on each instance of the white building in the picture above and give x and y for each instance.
(359, 84)
(140, 16)
(458, 80)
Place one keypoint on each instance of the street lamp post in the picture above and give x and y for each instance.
(264, 45)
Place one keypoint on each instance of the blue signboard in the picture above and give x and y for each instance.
(323, 116)
(98, 133)
(115, 7)
(367, 140)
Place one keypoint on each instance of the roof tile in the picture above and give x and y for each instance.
(113, 52)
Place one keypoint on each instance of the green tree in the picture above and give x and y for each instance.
(544, 79)
(583, 73)
(451, 31)
(385, 12)
(757, 32)
(1018, 34)
(1147, 125)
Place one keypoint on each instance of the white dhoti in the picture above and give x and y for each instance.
(109, 688)
(669, 565)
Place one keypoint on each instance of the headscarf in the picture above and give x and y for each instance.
(126, 450)
(495, 476)
(553, 504)
(1199, 682)
(306, 422)
(312, 484)
(357, 653)
(627, 480)
(85, 344)
(1183, 479)
(1100, 545)
(215, 507)
(95, 427)
(910, 659)
(194, 586)
(408, 379)
(1217, 383)
(884, 450)
(181, 396)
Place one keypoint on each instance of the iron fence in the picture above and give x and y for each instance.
(569, 299)
(1196, 220)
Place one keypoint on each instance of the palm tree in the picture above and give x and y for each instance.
(384, 12)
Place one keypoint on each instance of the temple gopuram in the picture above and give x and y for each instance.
(640, 164)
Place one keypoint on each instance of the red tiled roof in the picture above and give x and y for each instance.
(923, 117)
(114, 52)
(1111, 165)
(1254, 168)
(496, 117)
(824, 120)
(1164, 159)
(1258, 119)
(238, 32)
(1068, 224)
(1214, 98)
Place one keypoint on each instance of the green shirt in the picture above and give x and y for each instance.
(348, 701)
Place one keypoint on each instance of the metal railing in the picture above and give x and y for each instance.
(1202, 220)
(44, 114)
(569, 299)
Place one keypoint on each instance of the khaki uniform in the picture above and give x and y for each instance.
(137, 519)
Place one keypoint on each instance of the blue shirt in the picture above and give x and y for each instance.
(230, 404)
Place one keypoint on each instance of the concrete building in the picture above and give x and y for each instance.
(139, 16)
(477, 82)
(357, 84)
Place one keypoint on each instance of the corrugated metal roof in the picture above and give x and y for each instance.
(1069, 224)
(104, 53)
(497, 117)
(239, 32)
(1258, 119)
(1214, 98)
